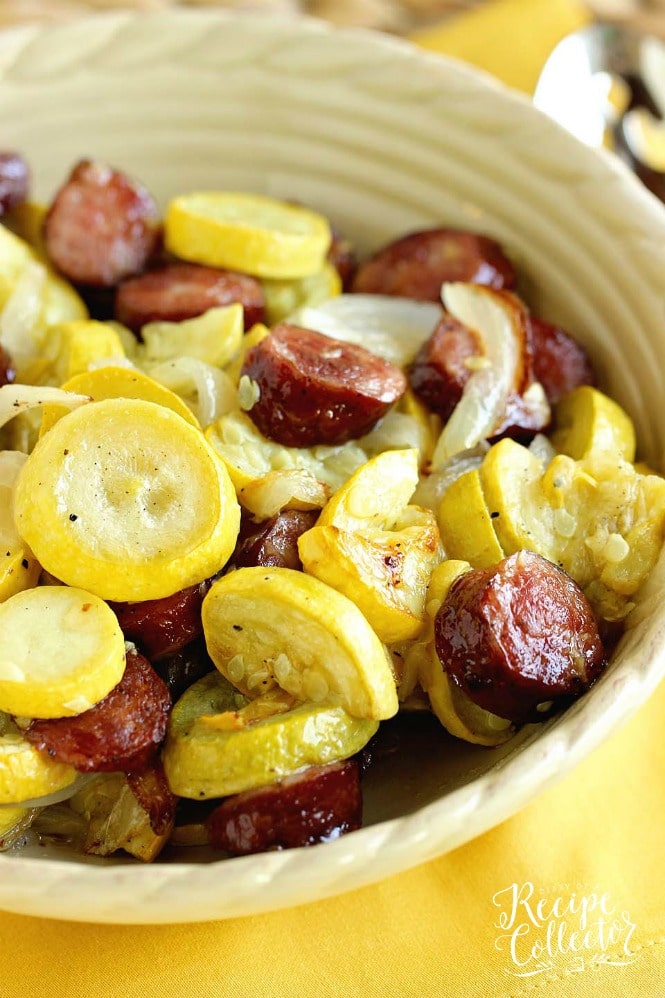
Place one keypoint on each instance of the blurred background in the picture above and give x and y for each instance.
(398, 16)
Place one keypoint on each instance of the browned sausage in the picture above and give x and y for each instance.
(7, 369)
(444, 363)
(274, 541)
(440, 370)
(150, 787)
(101, 227)
(180, 291)
(121, 732)
(14, 181)
(560, 363)
(416, 265)
(343, 258)
(318, 390)
(161, 627)
(183, 667)
(519, 635)
(316, 805)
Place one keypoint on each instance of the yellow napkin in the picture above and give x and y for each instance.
(509, 38)
(565, 899)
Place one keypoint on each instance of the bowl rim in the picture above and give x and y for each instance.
(392, 846)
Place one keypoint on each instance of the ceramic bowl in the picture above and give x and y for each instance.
(384, 139)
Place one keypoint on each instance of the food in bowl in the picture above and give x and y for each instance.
(410, 496)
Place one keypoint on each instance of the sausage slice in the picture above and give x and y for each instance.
(274, 541)
(181, 291)
(121, 732)
(101, 227)
(416, 265)
(560, 363)
(317, 805)
(317, 390)
(519, 635)
(161, 627)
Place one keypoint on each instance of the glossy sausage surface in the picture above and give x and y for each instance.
(317, 805)
(519, 635)
(101, 226)
(416, 265)
(317, 390)
(121, 732)
(181, 291)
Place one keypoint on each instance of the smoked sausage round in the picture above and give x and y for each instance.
(518, 636)
(317, 390)
(316, 805)
(121, 732)
(440, 370)
(161, 627)
(560, 363)
(101, 227)
(416, 265)
(181, 291)
(274, 541)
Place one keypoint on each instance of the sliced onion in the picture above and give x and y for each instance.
(57, 796)
(483, 401)
(390, 327)
(396, 431)
(208, 392)
(430, 489)
(541, 447)
(18, 398)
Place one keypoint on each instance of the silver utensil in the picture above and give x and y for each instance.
(606, 85)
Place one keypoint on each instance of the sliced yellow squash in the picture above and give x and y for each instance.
(117, 382)
(467, 525)
(24, 771)
(19, 569)
(137, 505)
(61, 652)
(257, 235)
(588, 422)
(220, 743)
(373, 547)
(267, 627)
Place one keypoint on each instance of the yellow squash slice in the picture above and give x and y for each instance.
(117, 382)
(136, 502)
(267, 627)
(370, 545)
(220, 743)
(257, 235)
(19, 569)
(25, 772)
(466, 524)
(61, 652)
(588, 423)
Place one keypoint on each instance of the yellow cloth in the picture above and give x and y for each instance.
(589, 850)
(509, 38)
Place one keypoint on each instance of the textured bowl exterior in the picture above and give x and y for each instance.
(384, 139)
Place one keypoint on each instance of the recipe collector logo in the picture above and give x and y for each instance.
(561, 930)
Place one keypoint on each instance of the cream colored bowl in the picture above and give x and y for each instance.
(384, 139)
